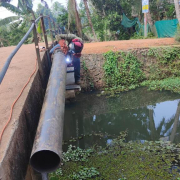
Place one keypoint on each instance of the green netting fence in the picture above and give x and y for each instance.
(164, 28)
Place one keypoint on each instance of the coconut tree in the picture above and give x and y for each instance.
(176, 3)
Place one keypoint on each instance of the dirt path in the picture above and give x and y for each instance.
(102, 47)
(23, 64)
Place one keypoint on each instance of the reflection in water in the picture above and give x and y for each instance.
(146, 115)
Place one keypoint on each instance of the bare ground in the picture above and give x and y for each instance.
(23, 64)
(102, 47)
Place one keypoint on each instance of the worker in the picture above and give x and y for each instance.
(75, 45)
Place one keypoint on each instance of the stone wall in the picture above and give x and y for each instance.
(92, 71)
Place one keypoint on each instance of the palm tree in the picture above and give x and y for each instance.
(176, 3)
(73, 12)
(89, 18)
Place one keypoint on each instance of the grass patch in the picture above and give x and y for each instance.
(170, 84)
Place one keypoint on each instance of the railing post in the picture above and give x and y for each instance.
(37, 47)
(44, 31)
(45, 39)
(50, 28)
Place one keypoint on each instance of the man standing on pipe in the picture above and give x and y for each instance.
(75, 45)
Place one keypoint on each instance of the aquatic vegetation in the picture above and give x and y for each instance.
(122, 160)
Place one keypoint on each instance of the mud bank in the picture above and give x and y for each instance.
(15, 156)
(156, 63)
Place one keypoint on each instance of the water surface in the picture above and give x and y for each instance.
(148, 115)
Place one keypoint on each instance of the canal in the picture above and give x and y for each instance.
(147, 115)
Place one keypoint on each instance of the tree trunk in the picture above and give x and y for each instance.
(176, 3)
(89, 19)
(150, 21)
(78, 21)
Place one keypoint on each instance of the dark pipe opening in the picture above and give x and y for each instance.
(45, 161)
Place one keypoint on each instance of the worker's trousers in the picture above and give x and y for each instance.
(76, 64)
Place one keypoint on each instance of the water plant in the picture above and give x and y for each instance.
(126, 160)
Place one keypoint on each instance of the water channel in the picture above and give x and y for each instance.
(147, 115)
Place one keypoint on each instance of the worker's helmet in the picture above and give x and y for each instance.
(76, 45)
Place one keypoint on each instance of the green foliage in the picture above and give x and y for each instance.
(122, 160)
(46, 12)
(164, 73)
(8, 20)
(11, 8)
(14, 35)
(165, 55)
(161, 10)
(122, 70)
(39, 30)
(139, 36)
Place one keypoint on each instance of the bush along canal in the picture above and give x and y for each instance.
(135, 132)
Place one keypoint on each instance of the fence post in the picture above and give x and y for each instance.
(50, 28)
(37, 47)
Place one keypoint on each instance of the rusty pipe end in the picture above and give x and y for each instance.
(45, 161)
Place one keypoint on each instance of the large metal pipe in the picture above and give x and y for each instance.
(47, 148)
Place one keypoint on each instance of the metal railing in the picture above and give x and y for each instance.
(32, 28)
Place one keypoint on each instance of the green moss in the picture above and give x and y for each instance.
(120, 160)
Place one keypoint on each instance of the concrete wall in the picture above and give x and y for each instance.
(15, 161)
